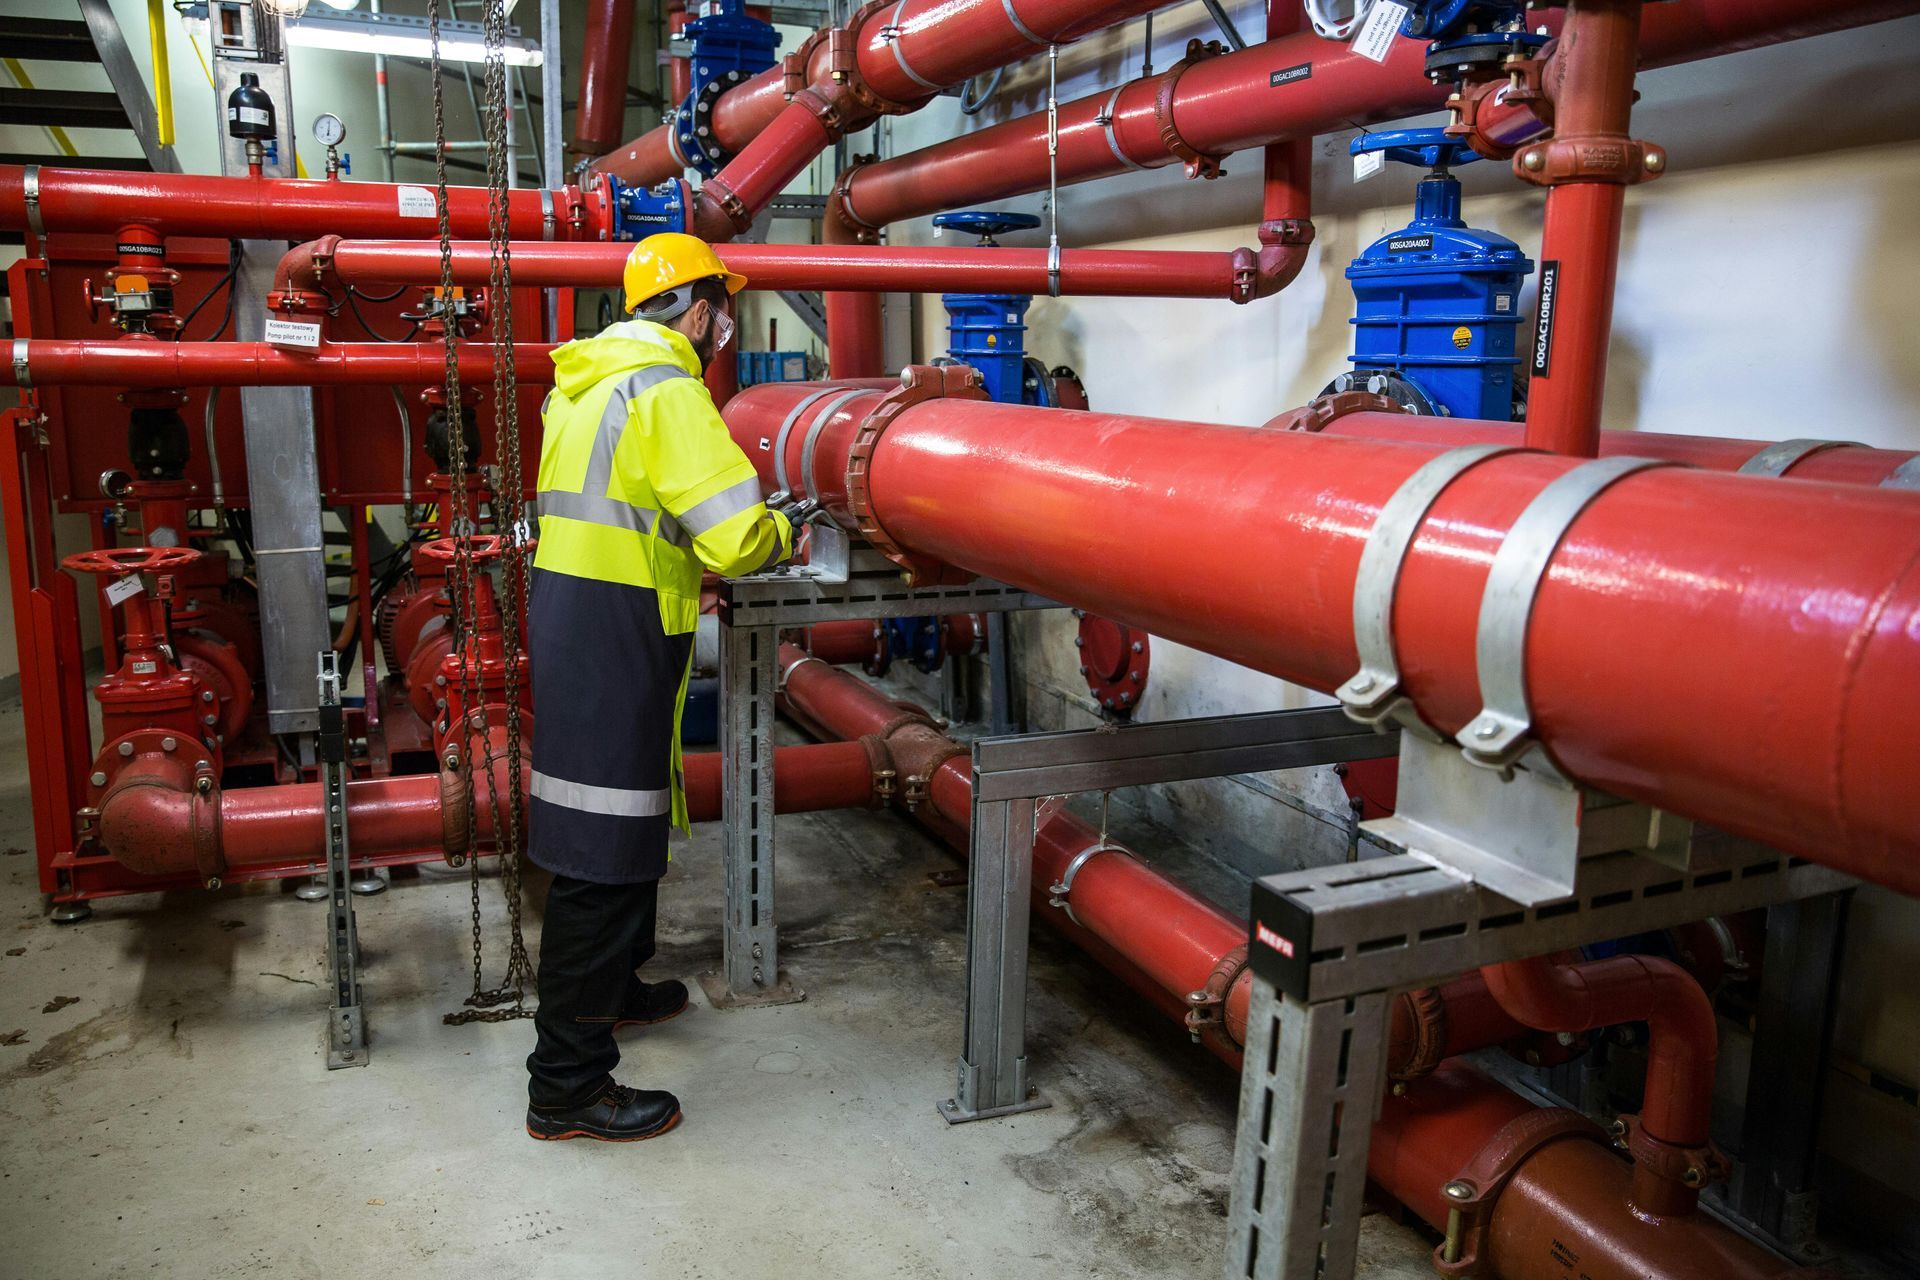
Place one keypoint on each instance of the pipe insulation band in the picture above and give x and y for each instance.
(1502, 733)
(1026, 32)
(1779, 458)
(30, 193)
(813, 439)
(781, 479)
(1373, 695)
(892, 35)
(1105, 121)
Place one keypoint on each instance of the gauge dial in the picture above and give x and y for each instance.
(328, 131)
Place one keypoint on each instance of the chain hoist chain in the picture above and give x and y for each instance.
(513, 511)
(463, 524)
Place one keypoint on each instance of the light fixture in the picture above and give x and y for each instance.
(404, 36)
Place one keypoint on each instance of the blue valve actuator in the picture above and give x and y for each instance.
(1438, 302)
(988, 330)
(986, 223)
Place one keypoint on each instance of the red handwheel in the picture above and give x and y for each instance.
(117, 561)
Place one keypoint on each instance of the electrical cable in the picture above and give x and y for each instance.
(971, 106)
(233, 270)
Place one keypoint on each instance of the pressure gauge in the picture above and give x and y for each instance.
(328, 131)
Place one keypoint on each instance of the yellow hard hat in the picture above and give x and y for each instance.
(669, 259)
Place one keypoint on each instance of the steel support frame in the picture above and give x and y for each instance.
(754, 610)
(1010, 774)
(1330, 945)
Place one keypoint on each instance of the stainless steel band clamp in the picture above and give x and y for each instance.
(1373, 695)
(785, 484)
(1502, 733)
(812, 441)
(1062, 893)
(22, 375)
(1905, 476)
(1778, 459)
(30, 196)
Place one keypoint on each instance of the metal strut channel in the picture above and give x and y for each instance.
(346, 1020)
(1373, 696)
(1502, 733)
(1778, 459)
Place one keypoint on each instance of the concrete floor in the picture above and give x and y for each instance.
(176, 1119)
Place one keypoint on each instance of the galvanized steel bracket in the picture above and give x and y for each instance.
(1373, 695)
(1502, 733)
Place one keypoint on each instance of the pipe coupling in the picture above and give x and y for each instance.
(1317, 413)
(1198, 164)
(1472, 1193)
(918, 383)
(1693, 1167)
(1207, 1007)
(1425, 1017)
(456, 808)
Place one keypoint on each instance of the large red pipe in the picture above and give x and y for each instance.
(1787, 622)
(856, 330)
(1120, 273)
(1564, 1211)
(86, 362)
(1261, 95)
(604, 56)
(901, 53)
(1841, 464)
(187, 204)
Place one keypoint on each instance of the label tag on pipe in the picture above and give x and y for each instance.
(417, 202)
(121, 590)
(292, 333)
(1368, 163)
(1375, 39)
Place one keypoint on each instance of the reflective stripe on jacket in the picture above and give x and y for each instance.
(640, 483)
(640, 487)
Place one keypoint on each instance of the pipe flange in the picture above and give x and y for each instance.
(1473, 1191)
(840, 204)
(918, 383)
(1693, 1167)
(693, 135)
(1198, 163)
(1318, 413)
(1114, 660)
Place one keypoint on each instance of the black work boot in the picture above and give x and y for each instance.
(619, 1114)
(653, 1002)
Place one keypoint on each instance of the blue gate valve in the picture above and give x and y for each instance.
(1437, 303)
(988, 330)
(729, 48)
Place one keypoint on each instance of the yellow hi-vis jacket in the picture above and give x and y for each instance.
(641, 485)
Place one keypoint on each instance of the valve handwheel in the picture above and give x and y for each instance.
(482, 548)
(124, 560)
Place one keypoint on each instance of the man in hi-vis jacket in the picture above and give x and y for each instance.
(640, 488)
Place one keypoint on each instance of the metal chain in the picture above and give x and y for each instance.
(461, 590)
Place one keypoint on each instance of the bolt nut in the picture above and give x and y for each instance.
(99, 779)
(1079, 642)
(1693, 1177)
(1655, 161)
(1532, 160)
(213, 882)
(1138, 647)
(1485, 729)
(203, 784)
(1083, 668)
(1564, 1037)
(1618, 1128)
(126, 748)
(1458, 1190)
(206, 695)
(209, 719)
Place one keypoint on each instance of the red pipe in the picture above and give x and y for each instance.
(85, 362)
(1842, 464)
(806, 779)
(901, 55)
(729, 201)
(185, 204)
(1682, 1042)
(1590, 79)
(856, 332)
(1788, 624)
(1126, 273)
(1258, 96)
(605, 54)
(1564, 1210)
